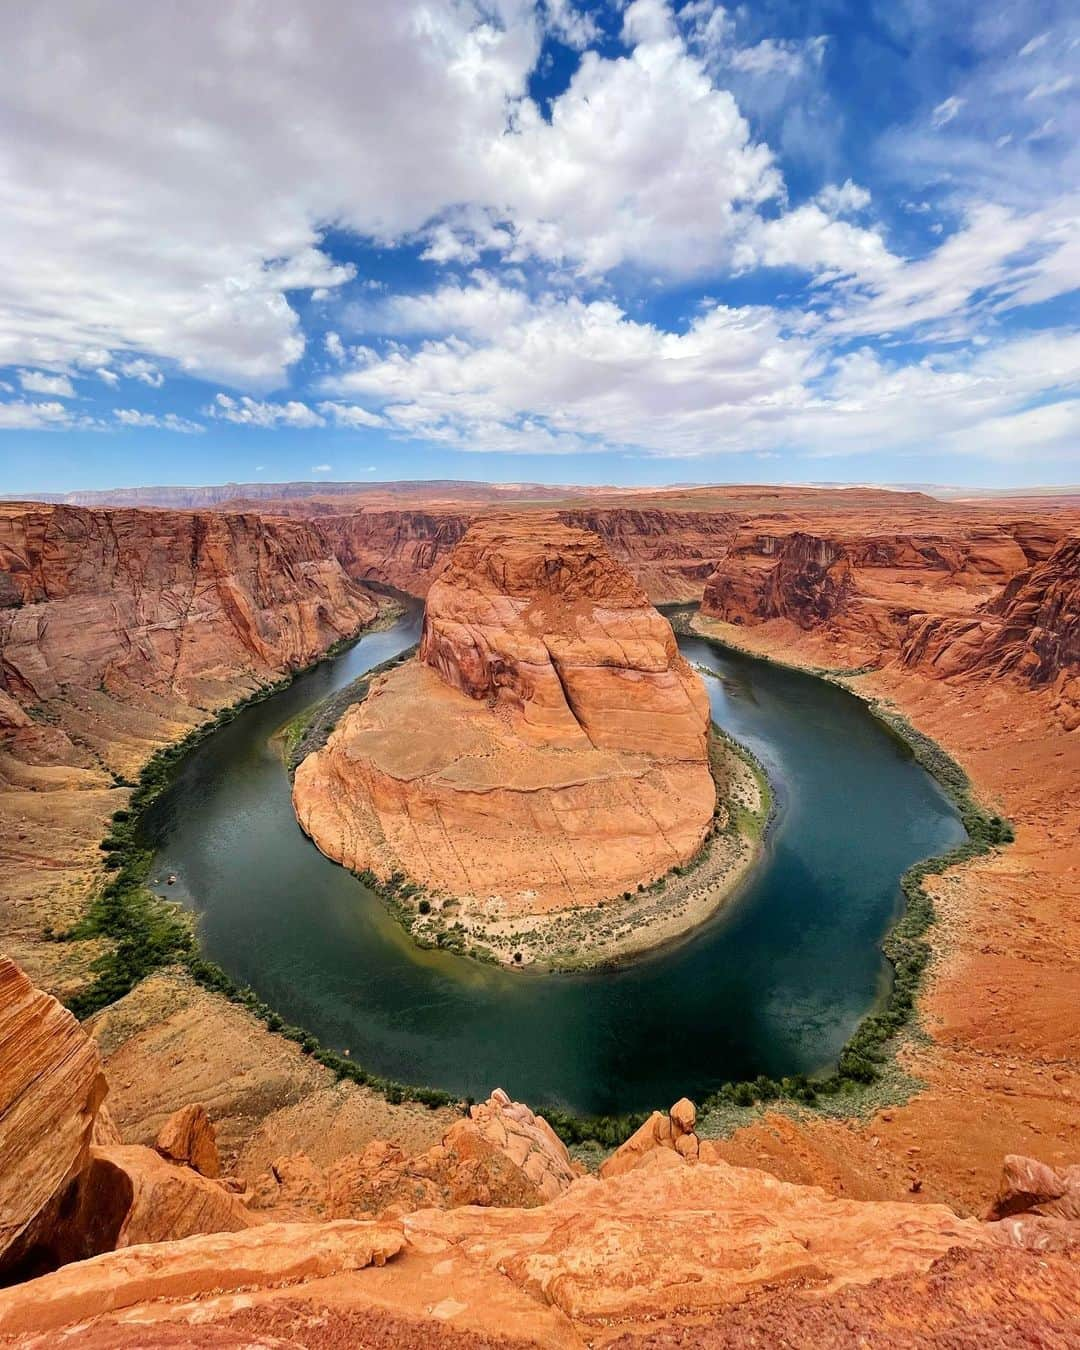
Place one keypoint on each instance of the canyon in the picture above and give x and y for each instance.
(546, 752)
(123, 628)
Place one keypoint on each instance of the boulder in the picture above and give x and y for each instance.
(673, 1132)
(189, 1137)
(1031, 1187)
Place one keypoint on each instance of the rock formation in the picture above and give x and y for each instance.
(1030, 632)
(164, 603)
(861, 589)
(671, 1253)
(547, 750)
(189, 1137)
(51, 1087)
(673, 1130)
(68, 1188)
(500, 1154)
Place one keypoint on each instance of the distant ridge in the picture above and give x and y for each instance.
(216, 494)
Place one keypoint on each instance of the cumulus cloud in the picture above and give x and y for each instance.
(172, 217)
(560, 376)
(40, 382)
(322, 468)
(132, 417)
(249, 412)
(144, 371)
(19, 415)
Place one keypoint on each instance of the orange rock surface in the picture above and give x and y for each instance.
(500, 1154)
(678, 1248)
(547, 750)
(51, 1087)
(188, 1136)
(163, 602)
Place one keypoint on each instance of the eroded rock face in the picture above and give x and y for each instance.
(163, 602)
(1030, 632)
(1031, 1187)
(500, 1154)
(547, 750)
(859, 589)
(69, 1189)
(51, 1087)
(540, 620)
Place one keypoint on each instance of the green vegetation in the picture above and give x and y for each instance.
(866, 1058)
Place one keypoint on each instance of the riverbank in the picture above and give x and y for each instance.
(994, 1065)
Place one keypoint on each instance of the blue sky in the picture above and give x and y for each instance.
(619, 243)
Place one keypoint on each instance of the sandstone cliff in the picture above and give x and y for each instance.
(859, 589)
(120, 631)
(546, 751)
(162, 602)
(1030, 632)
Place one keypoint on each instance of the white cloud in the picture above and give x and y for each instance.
(250, 412)
(156, 214)
(322, 468)
(812, 240)
(131, 417)
(1048, 88)
(143, 371)
(846, 199)
(335, 349)
(22, 416)
(787, 58)
(1004, 257)
(571, 26)
(39, 382)
(643, 161)
(350, 415)
(565, 377)
(1029, 48)
(946, 112)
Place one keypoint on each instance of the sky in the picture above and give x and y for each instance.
(540, 240)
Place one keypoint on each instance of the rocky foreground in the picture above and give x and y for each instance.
(547, 751)
(492, 1237)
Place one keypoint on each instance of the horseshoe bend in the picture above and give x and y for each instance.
(546, 754)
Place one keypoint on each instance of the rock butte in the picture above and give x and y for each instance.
(548, 748)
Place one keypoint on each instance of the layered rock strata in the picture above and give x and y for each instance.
(548, 749)
(672, 1253)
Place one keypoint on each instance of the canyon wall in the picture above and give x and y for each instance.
(119, 632)
(1030, 632)
(168, 603)
(977, 603)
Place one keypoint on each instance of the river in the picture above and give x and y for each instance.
(774, 984)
